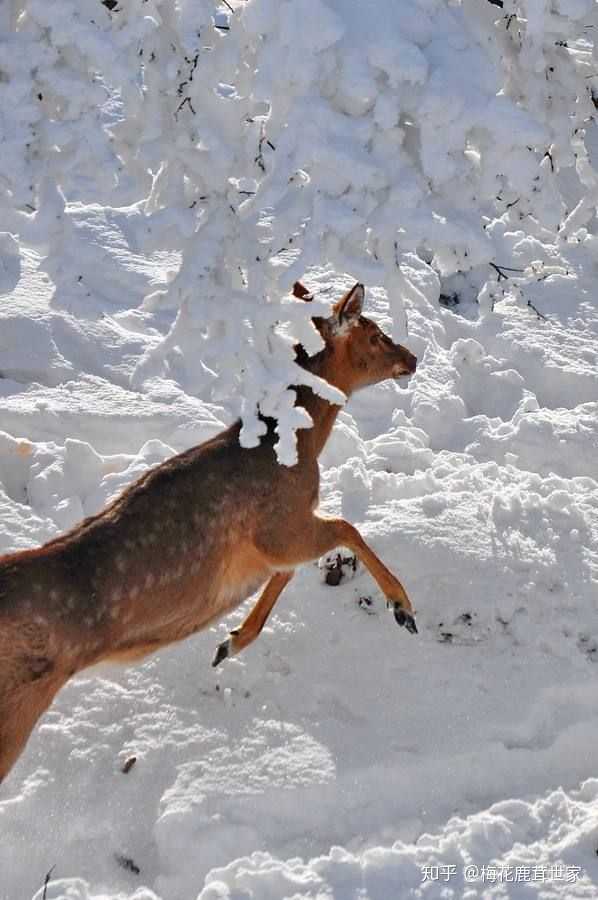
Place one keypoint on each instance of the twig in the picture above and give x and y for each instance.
(508, 205)
(502, 270)
(128, 864)
(47, 882)
(192, 63)
(396, 248)
(496, 3)
(181, 104)
(537, 311)
(259, 159)
(226, 3)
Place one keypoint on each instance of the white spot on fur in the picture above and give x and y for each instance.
(53, 595)
(133, 593)
(149, 581)
(121, 563)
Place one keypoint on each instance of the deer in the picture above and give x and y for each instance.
(188, 542)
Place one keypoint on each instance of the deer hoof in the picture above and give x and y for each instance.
(405, 619)
(222, 652)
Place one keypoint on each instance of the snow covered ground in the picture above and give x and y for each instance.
(338, 758)
(476, 482)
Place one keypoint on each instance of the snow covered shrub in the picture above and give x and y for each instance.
(258, 138)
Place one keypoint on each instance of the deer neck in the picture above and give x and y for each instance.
(311, 441)
(323, 413)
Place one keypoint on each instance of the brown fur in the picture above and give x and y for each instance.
(184, 545)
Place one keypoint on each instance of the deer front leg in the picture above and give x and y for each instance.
(240, 638)
(320, 535)
(334, 532)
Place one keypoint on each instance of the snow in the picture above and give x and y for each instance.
(334, 731)
(337, 757)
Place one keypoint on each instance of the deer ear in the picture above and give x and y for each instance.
(300, 291)
(349, 307)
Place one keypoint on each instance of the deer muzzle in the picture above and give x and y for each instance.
(406, 365)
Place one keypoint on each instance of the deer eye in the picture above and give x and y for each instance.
(374, 339)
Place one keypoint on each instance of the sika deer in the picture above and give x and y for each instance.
(187, 543)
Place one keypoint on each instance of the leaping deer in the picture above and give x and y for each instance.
(187, 543)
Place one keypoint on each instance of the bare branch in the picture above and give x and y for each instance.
(47, 882)
(537, 311)
(501, 271)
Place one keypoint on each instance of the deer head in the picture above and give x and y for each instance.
(357, 352)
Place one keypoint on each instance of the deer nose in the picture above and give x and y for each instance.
(412, 362)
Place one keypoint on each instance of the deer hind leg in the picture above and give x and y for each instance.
(241, 637)
(20, 709)
(321, 535)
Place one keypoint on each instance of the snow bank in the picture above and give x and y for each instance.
(514, 849)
